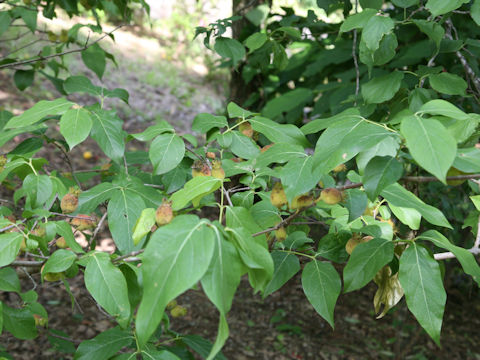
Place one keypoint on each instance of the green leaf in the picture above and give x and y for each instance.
(230, 49)
(382, 88)
(9, 247)
(166, 152)
(200, 345)
(81, 84)
(9, 281)
(380, 172)
(432, 29)
(105, 345)
(204, 122)
(64, 229)
(298, 177)
(19, 322)
(153, 131)
(255, 41)
(407, 216)
(286, 266)
(194, 190)
(108, 286)
(381, 56)
(280, 57)
(465, 257)
(107, 132)
(366, 260)
(317, 125)
(444, 108)
(75, 125)
(447, 83)
(243, 146)
(474, 12)
(476, 201)
(90, 199)
(421, 279)
(396, 195)
(181, 251)
(357, 21)
(279, 153)
(332, 246)
(5, 21)
(28, 16)
(405, 3)
(220, 283)
(59, 261)
(124, 208)
(440, 7)
(38, 111)
(287, 102)
(235, 111)
(374, 30)
(343, 140)
(94, 58)
(23, 78)
(468, 160)
(371, 4)
(430, 144)
(143, 225)
(321, 284)
(38, 189)
(279, 133)
(356, 203)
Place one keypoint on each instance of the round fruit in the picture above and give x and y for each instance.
(246, 129)
(217, 170)
(200, 168)
(178, 311)
(331, 196)
(354, 241)
(301, 201)
(61, 243)
(277, 196)
(40, 320)
(83, 222)
(211, 155)
(454, 172)
(339, 168)
(51, 276)
(280, 234)
(164, 213)
(69, 203)
(87, 155)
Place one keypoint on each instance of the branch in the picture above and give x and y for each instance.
(40, 58)
(97, 229)
(126, 256)
(475, 249)
(26, 263)
(419, 179)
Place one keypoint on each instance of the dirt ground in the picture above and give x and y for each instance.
(282, 326)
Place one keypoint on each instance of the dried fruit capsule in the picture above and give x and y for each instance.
(278, 197)
(280, 234)
(69, 203)
(178, 311)
(301, 201)
(200, 168)
(61, 243)
(331, 196)
(217, 170)
(83, 222)
(164, 213)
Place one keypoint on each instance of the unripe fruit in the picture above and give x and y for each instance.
(39, 231)
(3, 160)
(217, 170)
(339, 168)
(277, 196)
(63, 36)
(52, 36)
(51, 276)
(40, 320)
(61, 243)
(164, 213)
(301, 201)
(331, 196)
(454, 172)
(354, 241)
(200, 168)
(246, 129)
(178, 311)
(69, 203)
(83, 222)
(280, 234)
(171, 304)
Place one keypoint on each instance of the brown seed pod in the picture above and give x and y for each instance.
(69, 203)
(331, 196)
(301, 201)
(278, 197)
(83, 222)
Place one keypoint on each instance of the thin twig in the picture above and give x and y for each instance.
(69, 163)
(475, 249)
(97, 229)
(41, 58)
(227, 196)
(126, 256)
(26, 263)
(73, 216)
(30, 277)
